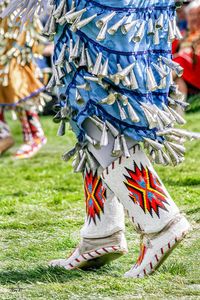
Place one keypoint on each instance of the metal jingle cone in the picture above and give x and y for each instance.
(117, 150)
(45, 29)
(101, 22)
(85, 22)
(102, 33)
(132, 114)
(140, 33)
(173, 65)
(83, 59)
(79, 99)
(160, 22)
(171, 35)
(164, 117)
(151, 82)
(60, 10)
(51, 83)
(178, 148)
(115, 78)
(71, 47)
(151, 108)
(124, 72)
(125, 147)
(68, 155)
(91, 161)
(156, 38)
(63, 19)
(73, 26)
(166, 109)
(128, 26)
(97, 123)
(61, 72)
(97, 64)
(61, 129)
(161, 159)
(73, 4)
(70, 18)
(56, 76)
(160, 124)
(181, 103)
(104, 69)
(163, 83)
(174, 156)
(113, 29)
(126, 82)
(92, 78)
(123, 99)
(133, 81)
(84, 86)
(68, 67)
(173, 138)
(122, 112)
(150, 118)
(166, 158)
(153, 155)
(104, 136)
(150, 30)
(89, 60)
(61, 57)
(75, 51)
(178, 117)
(52, 27)
(91, 140)
(81, 164)
(184, 133)
(76, 161)
(112, 129)
(164, 132)
(160, 71)
(110, 100)
(155, 145)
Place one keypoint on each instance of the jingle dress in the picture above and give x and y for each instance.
(112, 64)
(20, 77)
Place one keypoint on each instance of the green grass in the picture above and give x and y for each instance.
(42, 210)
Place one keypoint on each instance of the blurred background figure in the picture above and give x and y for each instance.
(187, 51)
(21, 87)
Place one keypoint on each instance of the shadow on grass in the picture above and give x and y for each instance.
(39, 274)
(46, 275)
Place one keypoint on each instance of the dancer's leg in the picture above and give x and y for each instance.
(33, 134)
(6, 140)
(26, 130)
(150, 207)
(102, 237)
(134, 181)
(34, 124)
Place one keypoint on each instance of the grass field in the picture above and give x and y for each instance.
(42, 210)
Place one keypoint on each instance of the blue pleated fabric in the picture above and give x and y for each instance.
(118, 49)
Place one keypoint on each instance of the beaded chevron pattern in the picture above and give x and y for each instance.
(95, 195)
(146, 190)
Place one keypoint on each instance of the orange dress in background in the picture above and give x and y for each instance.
(19, 74)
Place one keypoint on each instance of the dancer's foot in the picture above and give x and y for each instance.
(94, 253)
(155, 249)
(29, 149)
(6, 143)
